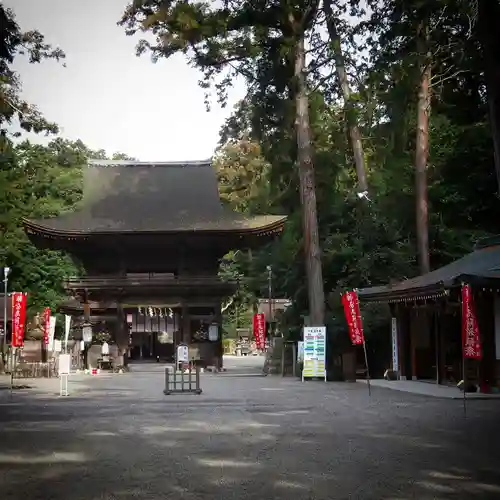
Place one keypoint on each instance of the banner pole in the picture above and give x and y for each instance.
(367, 369)
(464, 384)
(12, 368)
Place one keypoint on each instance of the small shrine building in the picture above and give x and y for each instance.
(427, 319)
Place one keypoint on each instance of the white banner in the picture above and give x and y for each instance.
(52, 331)
(300, 351)
(67, 325)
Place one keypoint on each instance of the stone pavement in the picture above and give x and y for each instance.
(427, 388)
(246, 437)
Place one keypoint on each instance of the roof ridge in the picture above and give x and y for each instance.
(132, 163)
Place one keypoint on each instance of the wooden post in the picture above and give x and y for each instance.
(464, 380)
(186, 324)
(413, 349)
(283, 349)
(436, 344)
(220, 347)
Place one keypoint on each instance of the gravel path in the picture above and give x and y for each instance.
(245, 437)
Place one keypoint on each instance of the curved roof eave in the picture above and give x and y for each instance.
(275, 226)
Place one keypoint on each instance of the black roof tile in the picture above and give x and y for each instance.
(123, 196)
(484, 262)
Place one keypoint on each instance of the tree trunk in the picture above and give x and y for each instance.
(354, 133)
(489, 35)
(422, 150)
(312, 249)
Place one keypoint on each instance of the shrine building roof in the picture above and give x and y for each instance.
(480, 268)
(151, 197)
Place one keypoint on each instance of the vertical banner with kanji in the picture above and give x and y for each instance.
(18, 318)
(353, 317)
(470, 329)
(259, 330)
(46, 326)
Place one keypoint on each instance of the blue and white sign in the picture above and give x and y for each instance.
(314, 352)
(182, 354)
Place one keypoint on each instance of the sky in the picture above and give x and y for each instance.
(106, 95)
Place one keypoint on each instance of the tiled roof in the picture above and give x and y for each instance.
(123, 196)
(482, 263)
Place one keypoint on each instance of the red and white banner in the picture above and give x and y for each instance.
(259, 330)
(353, 317)
(18, 318)
(46, 325)
(470, 329)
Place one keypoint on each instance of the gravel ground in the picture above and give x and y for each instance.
(245, 437)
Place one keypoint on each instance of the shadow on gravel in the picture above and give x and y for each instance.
(273, 442)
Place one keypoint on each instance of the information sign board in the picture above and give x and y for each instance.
(64, 364)
(314, 352)
(182, 354)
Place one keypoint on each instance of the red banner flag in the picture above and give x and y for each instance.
(18, 318)
(470, 329)
(46, 325)
(353, 317)
(259, 330)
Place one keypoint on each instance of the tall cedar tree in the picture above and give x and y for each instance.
(233, 40)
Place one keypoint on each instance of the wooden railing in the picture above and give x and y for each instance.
(90, 282)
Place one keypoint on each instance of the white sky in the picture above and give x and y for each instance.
(108, 97)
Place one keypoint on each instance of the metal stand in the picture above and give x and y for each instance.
(63, 385)
(13, 357)
(179, 382)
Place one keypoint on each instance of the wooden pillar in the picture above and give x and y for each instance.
(398, 312)
(413, 344)
(402, 340)
(442, 312)
(186, 324)
(485, 309)
(219, 347)
(437, 343)
(121, 333)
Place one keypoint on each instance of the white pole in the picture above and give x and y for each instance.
(6, 271)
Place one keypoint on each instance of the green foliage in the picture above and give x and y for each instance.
(243, 176)
(39, 181)
(373, 243)
(14, 43)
